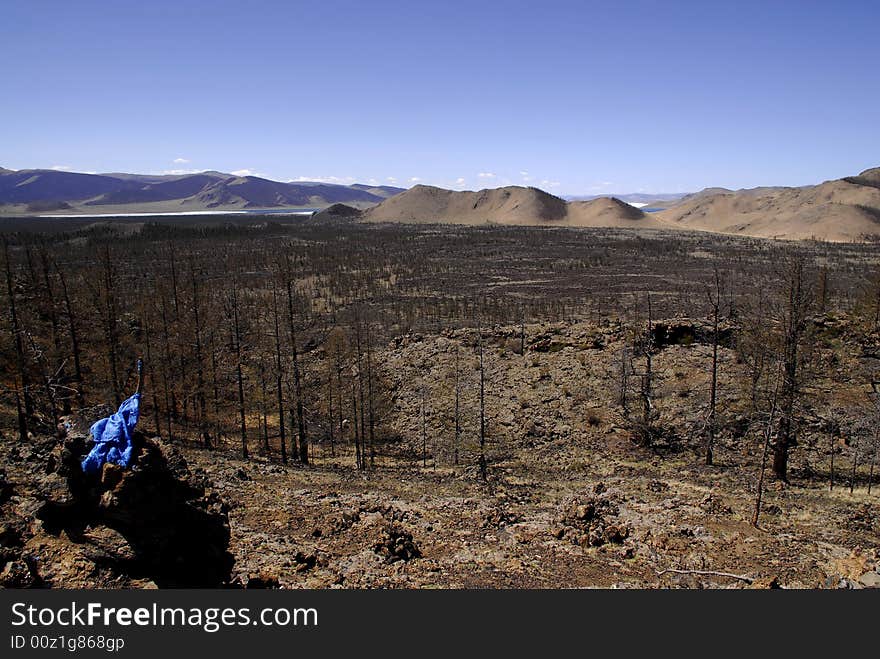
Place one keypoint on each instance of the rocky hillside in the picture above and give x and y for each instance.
(158, 524)
(569, 500)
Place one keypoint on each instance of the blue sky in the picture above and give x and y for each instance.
(575, 97)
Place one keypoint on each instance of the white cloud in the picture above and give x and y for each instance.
(242, 172)
(178, 172)
(391, 179)
(180, 161)
(415, 179)
(60, 168)
(547, 183)
(373, 181)
(526, 177)
(486, 175)
(459, 181)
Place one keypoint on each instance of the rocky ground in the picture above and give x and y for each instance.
(570, 500)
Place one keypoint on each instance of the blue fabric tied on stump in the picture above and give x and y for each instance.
(113, 437)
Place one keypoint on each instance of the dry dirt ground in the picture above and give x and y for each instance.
(570, 500)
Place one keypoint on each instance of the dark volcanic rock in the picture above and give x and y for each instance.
(157, 520)
(396, 544)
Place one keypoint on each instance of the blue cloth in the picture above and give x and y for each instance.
(113, 441)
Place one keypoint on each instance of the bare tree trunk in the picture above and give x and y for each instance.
(215, 390)
(370, 402)
(330, 406)
(855, 464)
(795, 328)
(74, 339)
(424, 429)
(170, 403)
(200, 372)
(647, 382)
(297, 386)
(623, 391)
(483, 467)
(339, 394)
(153, 387)
(360, 380)
(279, 373)
(715, 301)
(358, 457)
(19, 346)
(110, 324)
(51, 308)
(237, 347)
(457, 438)
(768, 431)
(831, 479)
(264, 405)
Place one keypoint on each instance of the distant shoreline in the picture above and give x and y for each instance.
(285, 211)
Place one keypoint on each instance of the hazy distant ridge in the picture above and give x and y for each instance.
(204, 190)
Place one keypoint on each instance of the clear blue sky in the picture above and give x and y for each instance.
(575, 97)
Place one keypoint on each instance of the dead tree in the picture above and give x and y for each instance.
(200, 373)
(264, 406)
(358, 454)
(768, 433)
(457, 438)
(52, 311)
(279, 373)
(28, 410)
(623, 381)
(360, 383)
(643, 424)
(876, 439)
(794, 331)
(330, 420)
(855, 464)
(424, 426)
(110, 324)
(715, 301)
(153, 385)
(371, 408)
(236, 348)
(297, 385)
(483, 466)
(833, 428)
(74, 337)
(170, 403)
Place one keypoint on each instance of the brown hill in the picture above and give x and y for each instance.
(509, 205)
(609, 212)
(840, 210)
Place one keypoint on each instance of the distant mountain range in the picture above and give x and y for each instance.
(40, 190)
(846, 209)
